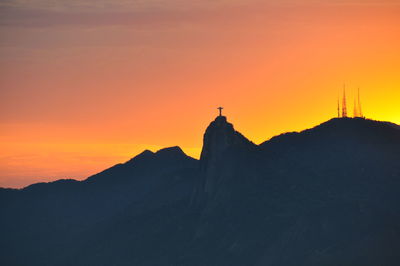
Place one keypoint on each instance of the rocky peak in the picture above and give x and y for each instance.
(171, 151)
(220, 136)
(145, 155)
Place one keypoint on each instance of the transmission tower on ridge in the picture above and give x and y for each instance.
(344, 105)
(360, 114)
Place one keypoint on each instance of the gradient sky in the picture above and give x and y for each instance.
(88, 84)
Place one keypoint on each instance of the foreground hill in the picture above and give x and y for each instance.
(325, 196)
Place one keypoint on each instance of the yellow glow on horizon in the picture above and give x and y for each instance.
(77, 98)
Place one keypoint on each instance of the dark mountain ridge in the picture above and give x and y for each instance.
(324, 196)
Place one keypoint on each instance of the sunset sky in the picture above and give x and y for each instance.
(88, 84)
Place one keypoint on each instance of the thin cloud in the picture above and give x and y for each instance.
(43, 13)
(164, 17)
(46, 18)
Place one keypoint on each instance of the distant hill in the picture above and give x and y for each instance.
(324, 196)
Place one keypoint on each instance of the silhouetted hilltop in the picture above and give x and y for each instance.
(220, 137)
(346, 128)
(325, 196)
(220, 143)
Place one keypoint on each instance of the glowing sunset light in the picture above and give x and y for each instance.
(85, 86)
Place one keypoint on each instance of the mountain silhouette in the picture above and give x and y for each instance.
(324, 196)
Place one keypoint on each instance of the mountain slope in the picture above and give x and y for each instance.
(45, 223)
(324, 196)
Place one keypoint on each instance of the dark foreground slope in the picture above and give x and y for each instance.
(75, 223)
(325, 196)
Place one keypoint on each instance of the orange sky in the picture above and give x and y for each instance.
(87, 86)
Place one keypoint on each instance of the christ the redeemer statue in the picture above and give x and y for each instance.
(220, 110)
